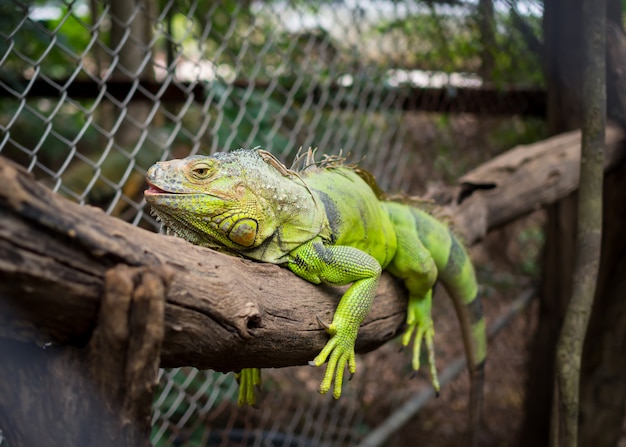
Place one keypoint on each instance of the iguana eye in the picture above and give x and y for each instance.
(201, 171)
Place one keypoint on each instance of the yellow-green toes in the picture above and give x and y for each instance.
(339, 351)
(249, 379)
(421, 327)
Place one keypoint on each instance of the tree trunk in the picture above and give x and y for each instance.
(562, 61)
(562, 24)
(603, 379)
(486, 25)
(131, 37)
(131, 34)
(569, 350)
(603, 390)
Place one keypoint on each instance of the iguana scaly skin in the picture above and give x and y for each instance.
(326, 224)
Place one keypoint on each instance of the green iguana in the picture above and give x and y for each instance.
(326, 223)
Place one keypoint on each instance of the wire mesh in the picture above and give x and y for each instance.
(95, 92)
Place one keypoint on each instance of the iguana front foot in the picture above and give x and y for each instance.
(420, 323)
(249, 379)
(339, 350)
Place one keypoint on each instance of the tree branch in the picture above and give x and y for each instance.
(224, 312)
(221, 312)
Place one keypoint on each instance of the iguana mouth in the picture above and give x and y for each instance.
(152, 189)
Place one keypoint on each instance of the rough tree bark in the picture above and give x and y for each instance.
(589, 233)
(562, 61)
(219, 311)
(562, 25)
(225, 312)
(603, 375)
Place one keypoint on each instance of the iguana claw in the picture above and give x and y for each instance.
(248, 379)
(339, 351)
(420, 323)
(325, 325)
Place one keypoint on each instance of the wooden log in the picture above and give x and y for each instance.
(224, 312)
(523, 180)
(221, 312)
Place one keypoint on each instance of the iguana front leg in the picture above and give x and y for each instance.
(339, 265)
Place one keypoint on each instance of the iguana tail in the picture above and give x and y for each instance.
(457, 274)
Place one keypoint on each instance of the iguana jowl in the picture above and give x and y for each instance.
(326, 224)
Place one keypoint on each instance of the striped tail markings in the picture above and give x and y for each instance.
(456, 272)
(460, 279)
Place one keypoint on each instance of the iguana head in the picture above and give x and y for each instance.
(236, 200)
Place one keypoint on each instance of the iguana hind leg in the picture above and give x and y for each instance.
(421, 328)
(415, 265)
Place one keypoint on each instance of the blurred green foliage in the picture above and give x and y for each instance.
(532, 239)
(53, 46)
(277, 109)
(450, 41)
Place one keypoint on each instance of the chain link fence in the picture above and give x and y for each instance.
(95, 92)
